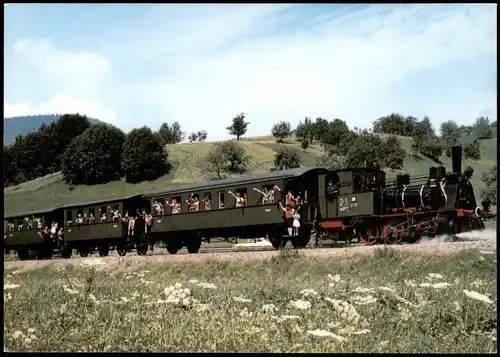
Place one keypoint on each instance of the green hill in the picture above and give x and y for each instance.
(189, 166)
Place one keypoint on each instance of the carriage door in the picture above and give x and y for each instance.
(296, 187)
(332, 189)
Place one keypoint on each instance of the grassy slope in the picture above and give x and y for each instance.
(123, 307)
(189, 166)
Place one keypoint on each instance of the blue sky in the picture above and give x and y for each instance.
(134, 65)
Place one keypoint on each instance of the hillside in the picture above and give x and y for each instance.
(189, 166)
(23, 125)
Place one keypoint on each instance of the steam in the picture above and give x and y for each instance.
(484, 234)
(479, 235)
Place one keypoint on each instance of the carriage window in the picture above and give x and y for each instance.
(158, 207)
(221, 200)
(242, 193)
(114, 211)
(102, 214)
(175, 205)
(69, 218)
(207, 201)
(357, 183)
(91, 217)
(193, 203)
(267, 194)
(11, 225)
(79, 216)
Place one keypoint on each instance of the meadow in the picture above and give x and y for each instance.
(189, 166)
(387, 302)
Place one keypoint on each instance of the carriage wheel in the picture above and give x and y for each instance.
(66, 252)
(121, 250)
(23, 254)
(84, 253)
(142, 249)
(173, 246)
(103, 250)
(368, 235)
(194, 245)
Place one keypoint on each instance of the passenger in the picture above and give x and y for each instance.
(288, 217)
(175, 206)
(45, 235)
(271, 196)
(290, 200)
(245, 199)
(330, 189)
(103, 216)
(11, 227)
(91, 218)
(116, 214)
(238, 198)
(29, 222)
(148, 219)
(60, 237)
(20, 226)
(265, 195)
(79, 220)
(53, 229)
(207, 202)
(296, 221)
(158, 207)
(190, 202)
(38, 222)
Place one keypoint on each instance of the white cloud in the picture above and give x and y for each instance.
(204, 65)
(339, 67)
(61, 104)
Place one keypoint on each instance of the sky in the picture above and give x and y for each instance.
(134, 65)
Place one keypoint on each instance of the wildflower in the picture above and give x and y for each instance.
(207, 286)
(385, 288)
(477, 283)
(364, 300)
(178, 285)
(11, 286)
(362, 332)
(434, 276)
(346, 310)
(362, 290)
(486, 252)
(94, 299)
(477, 296)
(246, 313)
(69, 290)
(442, 285)
(17, 334)
(383, 343)
(185, 302)
(300, 304)
(324, 333)
(286, 317)
(253, 330)
(7, 297)
(193, 281)
(333, 324)
(458, 308)
(404, 314)
(269, 308)
(202, 307)
(15, 272)
(309, 292)
(241, 299)
(335, 278)
(411, 283)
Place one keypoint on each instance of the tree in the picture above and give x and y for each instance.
(483, 128)
(395, 124)
(305, 131)
(281, 130)
(287, 158)
(332, 161)
(143, 157)
(450, 133)
(227, 157)
(171, 134)
(239, 126)
(304, 144)
(428, 146)
(473, 151)
(193, 137)
(94, 157)
(337, 137)
(392, 153)
(489, 178)
(320, 127)
(202, 135)
(365, 152)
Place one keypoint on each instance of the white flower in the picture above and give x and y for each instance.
(241, 299)
(285, 317)
(309, 292)
(269, 308)
(346, 310)
(11, 286)
(364, 300)
(207, 286)
(69, 290)
(17, 334)
(324, 333)
(362, 332)
(362, 290)
(435, 276)
(300, 304)
(193, 281)
(442, 285)
(336, 278)
(477, 296)
(178, 285)
(385, 288)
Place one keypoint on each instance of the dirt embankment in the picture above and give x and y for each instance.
(485, 242)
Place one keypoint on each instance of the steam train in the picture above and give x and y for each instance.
(356, 204)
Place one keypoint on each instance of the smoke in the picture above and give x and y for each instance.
(479, 235)
(443, 238)
(484, 234)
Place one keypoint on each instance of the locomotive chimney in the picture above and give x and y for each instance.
(456, 159)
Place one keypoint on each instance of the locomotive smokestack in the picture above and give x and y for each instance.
(456, 159)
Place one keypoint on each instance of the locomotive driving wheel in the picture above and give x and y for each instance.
(103, 250)
(368, 234)
(121, 250)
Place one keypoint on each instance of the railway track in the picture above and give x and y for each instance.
(160, 251)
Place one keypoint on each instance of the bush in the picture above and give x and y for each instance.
(171, 134)
(392, 153)
(281, 130)
(94, 157)
(304, 144)
(489, 178)
(227, 157)
(473, 151)
(144, 157)
(287, 158)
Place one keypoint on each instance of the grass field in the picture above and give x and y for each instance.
(395, 302)
(189, 166)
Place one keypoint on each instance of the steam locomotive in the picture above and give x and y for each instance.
(364, 205)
